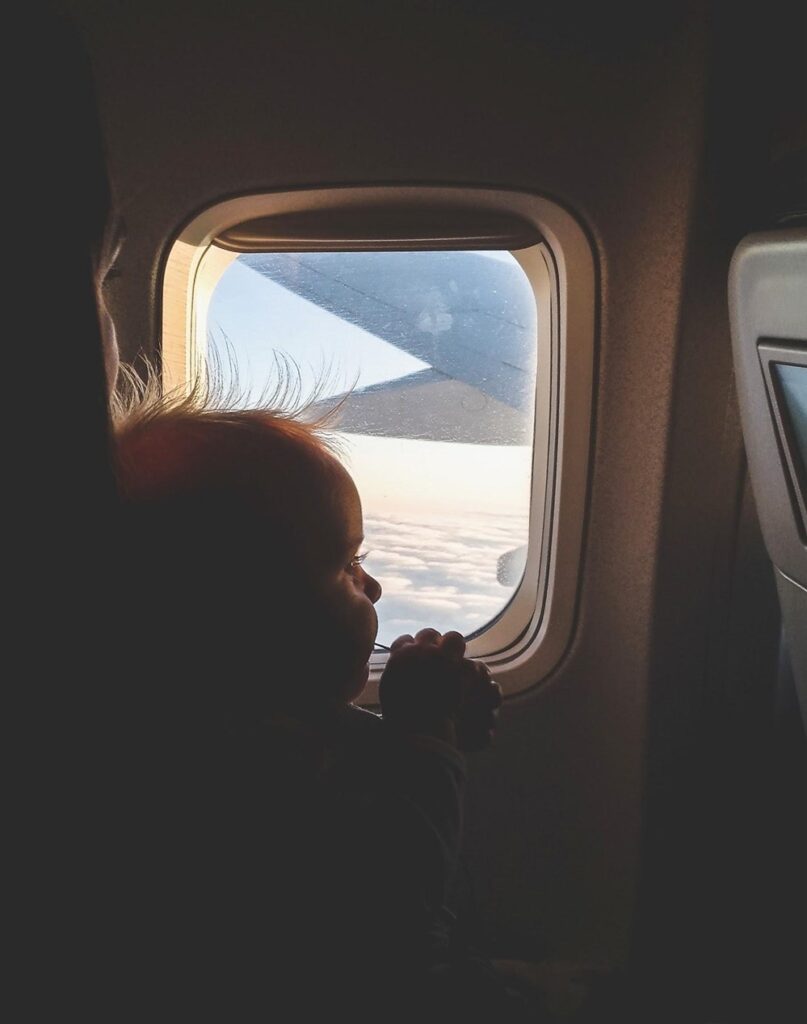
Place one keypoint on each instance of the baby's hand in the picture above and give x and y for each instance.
(429, 686)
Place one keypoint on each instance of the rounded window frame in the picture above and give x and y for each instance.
(527, 640)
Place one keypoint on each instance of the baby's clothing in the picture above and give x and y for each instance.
(303, 867)
(304, 860)
(371, 825)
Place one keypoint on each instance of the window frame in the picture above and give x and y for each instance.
(527, 640)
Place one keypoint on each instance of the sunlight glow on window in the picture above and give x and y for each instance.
(436, 352)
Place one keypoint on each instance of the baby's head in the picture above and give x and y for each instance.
(253, 530)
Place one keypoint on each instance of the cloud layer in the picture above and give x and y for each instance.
(440, 572)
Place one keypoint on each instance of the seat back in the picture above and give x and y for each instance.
(768, 307)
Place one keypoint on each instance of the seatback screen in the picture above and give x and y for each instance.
(790, 387)
(793, 389)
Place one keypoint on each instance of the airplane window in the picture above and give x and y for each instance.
(433, 357)
(454, 328)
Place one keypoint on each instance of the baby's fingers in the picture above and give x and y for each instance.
(494, 695)
(476, 722)
(400, 642)
(479, 685)
(453, 645)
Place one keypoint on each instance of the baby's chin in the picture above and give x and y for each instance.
(359, 684)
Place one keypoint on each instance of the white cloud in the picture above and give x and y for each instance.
(440, 572)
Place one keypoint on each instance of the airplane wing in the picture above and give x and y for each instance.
(469, 316)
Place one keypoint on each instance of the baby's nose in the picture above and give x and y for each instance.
(372, 587)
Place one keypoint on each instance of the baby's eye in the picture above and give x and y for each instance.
(356, 561)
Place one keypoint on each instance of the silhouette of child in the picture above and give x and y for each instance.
(305, 847)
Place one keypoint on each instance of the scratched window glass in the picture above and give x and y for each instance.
(436, 355)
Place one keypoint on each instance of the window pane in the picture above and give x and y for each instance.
(436, 352)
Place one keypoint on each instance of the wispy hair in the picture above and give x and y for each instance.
(218, 393)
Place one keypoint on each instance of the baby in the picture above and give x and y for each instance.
(302, 838)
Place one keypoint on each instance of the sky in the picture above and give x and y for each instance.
(438, 515)
(257, 317)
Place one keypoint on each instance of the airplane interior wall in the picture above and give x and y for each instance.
(587, 820)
